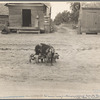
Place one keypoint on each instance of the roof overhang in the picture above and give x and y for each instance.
(28, 4)
(90, 5)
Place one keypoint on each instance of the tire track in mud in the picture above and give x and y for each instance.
(15, 55)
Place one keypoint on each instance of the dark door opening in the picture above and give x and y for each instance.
(26, 17)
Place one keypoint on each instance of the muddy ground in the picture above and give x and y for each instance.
(75, 75)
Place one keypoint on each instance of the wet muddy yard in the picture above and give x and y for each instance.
(77, 69)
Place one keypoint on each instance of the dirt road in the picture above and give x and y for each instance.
(75, 75)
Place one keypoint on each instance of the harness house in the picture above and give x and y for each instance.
(29, 17)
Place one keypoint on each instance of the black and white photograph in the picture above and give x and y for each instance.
(50, 50)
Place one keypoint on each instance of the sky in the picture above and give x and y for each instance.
(57, 7)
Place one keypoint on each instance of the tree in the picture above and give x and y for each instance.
(58, 19)
(65, 16)
(62, 17)
(75, 7)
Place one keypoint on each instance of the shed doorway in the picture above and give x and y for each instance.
(92, 21)
(26, 17)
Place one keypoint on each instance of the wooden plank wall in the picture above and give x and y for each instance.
(90, 20)
(15, 18)
(3, 21)
(15, 15)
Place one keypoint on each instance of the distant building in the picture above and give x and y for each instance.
(28, 17)
(3, 16)
(89, 18)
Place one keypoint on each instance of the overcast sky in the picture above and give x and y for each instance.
(58, 7)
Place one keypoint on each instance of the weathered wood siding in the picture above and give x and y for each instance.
(90, 20)
(3, 21)
(15, 15)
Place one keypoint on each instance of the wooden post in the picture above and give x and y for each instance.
(84, 33)
(98, 33)
(18, 31)
(47, 24)
(37, 22)
(79, 27)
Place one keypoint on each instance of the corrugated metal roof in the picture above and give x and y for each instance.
(3, 9)
(90, 5)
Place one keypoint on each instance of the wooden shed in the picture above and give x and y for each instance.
(3, 16)
(89, 18)
(29, 17)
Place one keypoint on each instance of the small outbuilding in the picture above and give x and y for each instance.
(89, 18)
(29, 17)
(3, 16)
